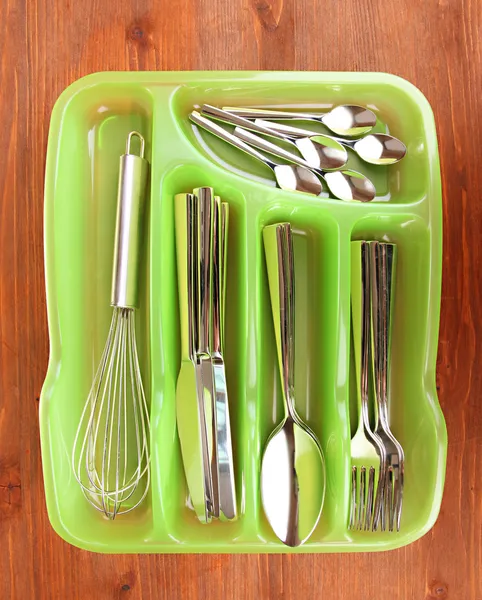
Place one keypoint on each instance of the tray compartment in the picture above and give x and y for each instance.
(319, 397)
(171, 508)
(415, 419)
(94, 138)
(404, 182)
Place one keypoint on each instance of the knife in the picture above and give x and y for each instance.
(227, 492)
(189, 423)
(204, 368)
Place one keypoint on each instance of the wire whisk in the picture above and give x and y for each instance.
(110, 457)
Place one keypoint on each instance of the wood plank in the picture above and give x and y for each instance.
(47, 44)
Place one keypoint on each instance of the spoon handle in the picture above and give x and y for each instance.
(226, 117)
(278, 244)
(294, 132)
(299, 132)
(263, 113)
(221, 133)
(262, 144)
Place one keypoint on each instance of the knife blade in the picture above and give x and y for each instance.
(190, 421)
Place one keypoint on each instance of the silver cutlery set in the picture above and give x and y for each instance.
(110, 457)
(202, 407)
(377, 456)
(318, 159)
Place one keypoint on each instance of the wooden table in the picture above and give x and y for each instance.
(47, 44)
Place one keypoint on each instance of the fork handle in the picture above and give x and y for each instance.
(382, 267)
(360, 312)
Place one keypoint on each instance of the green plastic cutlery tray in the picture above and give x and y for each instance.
(88, 130)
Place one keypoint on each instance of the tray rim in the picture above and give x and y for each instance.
(434, 221)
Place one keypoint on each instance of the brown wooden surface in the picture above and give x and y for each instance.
(44, 46)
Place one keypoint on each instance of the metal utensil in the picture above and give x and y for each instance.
(368, 455)
(224, 452)
(382, 267)
(206, 400)
(348, 120)
(288, 177)
(346, 185)
(320, 151)
(189, 410)
(293, 468)
(374, 148)
(110, 457)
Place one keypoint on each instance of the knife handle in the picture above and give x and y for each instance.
(217, 276)
(184, 215)
(205, 196)
(224, 266)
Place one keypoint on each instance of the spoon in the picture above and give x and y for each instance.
(348, 120)
(321, 151)
(346, 185)
(293, 468)
(374, 148)
(294, 178)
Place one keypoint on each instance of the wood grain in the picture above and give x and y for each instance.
(44, 46)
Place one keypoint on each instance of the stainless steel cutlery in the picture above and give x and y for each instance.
(377, 457)
(288, 177)
(315, 155)
(349, 120)
(374, 148)
(346, 184)
(202, 407)
(321, 151)
(293, 466)
(110, 458)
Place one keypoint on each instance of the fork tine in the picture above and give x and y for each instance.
(379, 498)
(396, 505)
(389, 497)
(353, 505)
(362, 502)
(400, 494)
(369, 507)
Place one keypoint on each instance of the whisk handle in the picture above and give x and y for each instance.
(128, 235)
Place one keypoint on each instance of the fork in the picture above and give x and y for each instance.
(382, 269)
(368, 455)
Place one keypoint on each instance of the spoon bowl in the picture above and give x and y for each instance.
(322, 152)
(295, 178)
(380, 149)
(350, 185)
(292, 482)
(349, 120)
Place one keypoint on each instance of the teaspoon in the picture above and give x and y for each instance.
(293, 467)
(294, 178)
(346, 185)
(320, 151)
(374, 148)
(348, 120)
